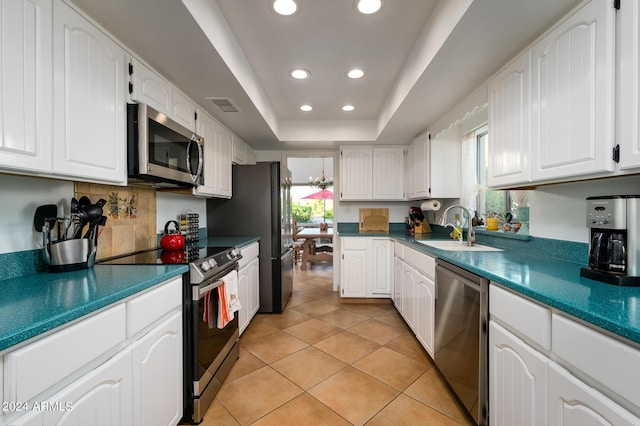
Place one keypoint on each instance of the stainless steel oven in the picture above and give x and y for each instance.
(211, 351)
(461, 336)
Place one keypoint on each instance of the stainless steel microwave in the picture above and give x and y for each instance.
(161, 152)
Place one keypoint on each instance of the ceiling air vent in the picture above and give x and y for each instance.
(225, 104)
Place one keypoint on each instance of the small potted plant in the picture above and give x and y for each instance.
(492, 221)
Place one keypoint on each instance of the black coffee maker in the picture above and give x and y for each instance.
(614, 224)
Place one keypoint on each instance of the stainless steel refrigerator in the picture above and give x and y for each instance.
(260, 206)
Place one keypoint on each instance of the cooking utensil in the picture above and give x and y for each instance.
(172, 239)
(47, 213)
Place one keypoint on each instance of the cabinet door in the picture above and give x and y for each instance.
(354, 267)
(409, 282)
(380, 268)
(239, 151)
(25, 81)
(254, 287)
(183, 111)
(388, 181)
(509, 124)
(420, 171)
(356, 173)
(150, 88)
(101, 398)
(629, 90)
(157, 374)
(573, 403)
(225, 152)
(217, 159)
(572, 90)
(397, 284)
(89, 100)
(444, 162)
(243, 294)
(517, 380)
(425, 311)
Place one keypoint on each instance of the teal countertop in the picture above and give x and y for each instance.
(548, 276)
(34, 304)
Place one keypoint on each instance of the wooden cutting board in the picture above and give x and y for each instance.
(374, 220)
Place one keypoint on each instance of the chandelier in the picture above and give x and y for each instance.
(321, 182)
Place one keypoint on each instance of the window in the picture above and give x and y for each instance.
(475, 194)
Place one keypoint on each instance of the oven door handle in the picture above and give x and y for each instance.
(202, 291)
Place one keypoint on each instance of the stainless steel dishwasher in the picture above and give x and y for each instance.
(461, 336)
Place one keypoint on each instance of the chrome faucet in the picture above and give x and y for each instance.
(470, 236)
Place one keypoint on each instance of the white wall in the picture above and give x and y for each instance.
(170, 205)
(558, 211)
(19, 197)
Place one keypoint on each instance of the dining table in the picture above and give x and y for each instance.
(309, 254)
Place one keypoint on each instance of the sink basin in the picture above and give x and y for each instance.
(451, 245)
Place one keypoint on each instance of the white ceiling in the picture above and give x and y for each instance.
(421, 57)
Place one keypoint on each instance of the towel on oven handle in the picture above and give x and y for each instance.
(228, 299)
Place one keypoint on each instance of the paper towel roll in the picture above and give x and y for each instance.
(430, 205)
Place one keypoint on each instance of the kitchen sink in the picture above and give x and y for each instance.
(451, 245)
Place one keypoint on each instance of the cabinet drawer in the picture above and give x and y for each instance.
(147, 308)
(354, 243)
(609, 361)
(526, 318)
(422, 262)
(249, 253)
(30, 370)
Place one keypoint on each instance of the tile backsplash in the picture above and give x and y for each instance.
(131, 217)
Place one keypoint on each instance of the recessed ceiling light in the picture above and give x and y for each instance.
(367, 7)
(299, 73)
(355, 73)
(348, 108)
(306, 108)
(285, 7)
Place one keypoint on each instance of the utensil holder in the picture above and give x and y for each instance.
(70, 255)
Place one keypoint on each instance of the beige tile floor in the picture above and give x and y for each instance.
(323, 362)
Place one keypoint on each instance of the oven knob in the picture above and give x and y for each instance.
(205, 266)
(212, 263)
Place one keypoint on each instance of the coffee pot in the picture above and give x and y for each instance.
(614, 235)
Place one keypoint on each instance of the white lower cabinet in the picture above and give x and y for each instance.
(414, 293)
(102, 397)
(425, 293)
(248, 285)
(157, 374)
(517, 380)
(569, 384)
(573, 403)
(367, 267)
(103, 370)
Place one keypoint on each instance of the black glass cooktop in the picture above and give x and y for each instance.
(162, 257)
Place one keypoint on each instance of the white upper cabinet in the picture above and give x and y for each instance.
(149, 88)
(433, 166)
(388, 179)
(368, 173)
(629, 85)
(239, 151)
(25, 81)
(509, 124)
(217, 158)
(356, 165)
(89, 115)
(183, 111)
(572, 91)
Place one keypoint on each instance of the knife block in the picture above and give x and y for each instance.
(421, 227)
